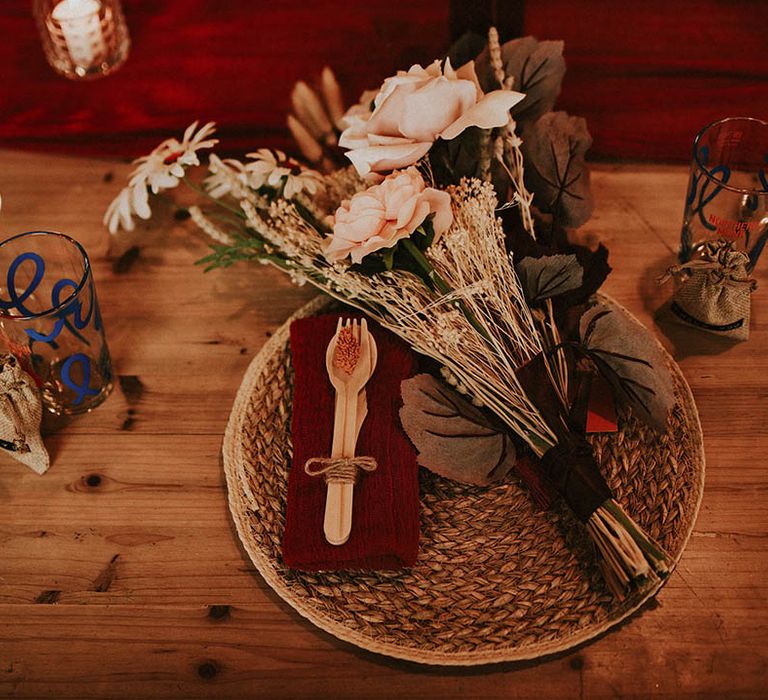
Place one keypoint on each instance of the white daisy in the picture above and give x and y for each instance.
(273, 168)
(132, 201)
(158, 171)
(163, 168)
(227, 176)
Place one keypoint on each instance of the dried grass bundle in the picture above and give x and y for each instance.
(457, 299)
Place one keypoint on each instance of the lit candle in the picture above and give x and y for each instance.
(80, 25)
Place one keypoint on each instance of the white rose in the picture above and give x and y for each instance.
(415, 108)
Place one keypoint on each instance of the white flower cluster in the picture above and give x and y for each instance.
(160, 170)
(266, 169)
(166, 165)
(226, 177)
(275, 169)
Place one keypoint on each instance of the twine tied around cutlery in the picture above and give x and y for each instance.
(340, 470)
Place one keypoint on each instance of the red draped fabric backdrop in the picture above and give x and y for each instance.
(646, 75)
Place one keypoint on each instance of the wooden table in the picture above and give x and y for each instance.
(120, 572)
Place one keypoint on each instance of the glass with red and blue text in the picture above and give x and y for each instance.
(727, 196)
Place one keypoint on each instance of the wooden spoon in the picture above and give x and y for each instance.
(348, 384)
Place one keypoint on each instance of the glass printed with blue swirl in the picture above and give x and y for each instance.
(727, 195)
(50, 319)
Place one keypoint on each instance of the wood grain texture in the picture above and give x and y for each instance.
(120, 573)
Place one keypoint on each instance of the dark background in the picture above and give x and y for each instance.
(646, 75)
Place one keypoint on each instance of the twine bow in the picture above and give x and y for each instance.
(339, 470)
(722, 265)
(12, 388)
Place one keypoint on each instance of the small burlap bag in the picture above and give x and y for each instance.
(714, 295)
(21, 411)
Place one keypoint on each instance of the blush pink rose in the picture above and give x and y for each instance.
(384, 214)
(415, 108)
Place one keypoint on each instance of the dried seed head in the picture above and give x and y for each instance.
(347, 352)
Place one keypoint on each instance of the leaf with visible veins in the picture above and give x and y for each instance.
(628, 357)
(549, 276)
(537, 68)
(554, 148)
(454, 438)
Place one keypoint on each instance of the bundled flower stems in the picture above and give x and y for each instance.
(411, 235)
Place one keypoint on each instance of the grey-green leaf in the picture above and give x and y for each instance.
(554, 148)
(454, 438)
(549, 276)
(537, 67)
(628, 356)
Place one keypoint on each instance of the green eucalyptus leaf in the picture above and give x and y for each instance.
(225, 255)
(554, 149)
(549, 276)
(454, 438)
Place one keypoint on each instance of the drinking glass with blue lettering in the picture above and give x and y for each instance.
(727, 198)
(50, 320)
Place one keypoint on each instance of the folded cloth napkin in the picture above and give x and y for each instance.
(385, 516)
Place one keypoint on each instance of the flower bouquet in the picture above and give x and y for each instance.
(452, 228)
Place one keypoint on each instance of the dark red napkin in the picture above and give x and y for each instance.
(385, 516)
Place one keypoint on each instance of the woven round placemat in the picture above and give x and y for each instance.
(496, 579)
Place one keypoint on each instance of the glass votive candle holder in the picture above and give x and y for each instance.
(50, 320)
(82, 39)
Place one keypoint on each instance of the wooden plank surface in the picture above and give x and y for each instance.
(121, 575)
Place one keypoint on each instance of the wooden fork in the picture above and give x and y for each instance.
(350, 411)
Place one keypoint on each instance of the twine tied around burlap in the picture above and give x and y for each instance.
(21, 411)
(339, 470)
(715, 292)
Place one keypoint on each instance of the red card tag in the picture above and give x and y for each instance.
(601, 409)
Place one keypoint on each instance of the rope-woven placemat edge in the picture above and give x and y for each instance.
(234, 465)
